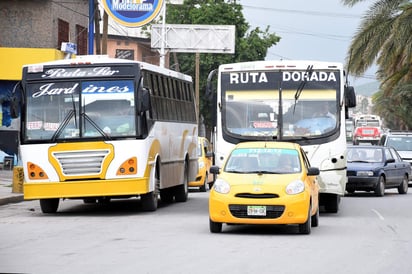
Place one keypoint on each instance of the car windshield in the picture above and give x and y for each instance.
(370, 155)
(400, 143)
(263, 160)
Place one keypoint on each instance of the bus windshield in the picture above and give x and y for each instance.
(79, 109)
(255, 110)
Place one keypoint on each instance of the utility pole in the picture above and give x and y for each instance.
(163, 42)
(97, 27)
(91, 28)
(105, 31)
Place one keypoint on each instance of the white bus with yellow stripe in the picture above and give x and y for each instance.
(289, 100)
(96, 128)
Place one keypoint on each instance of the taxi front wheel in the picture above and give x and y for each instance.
(305, 228)
(215, 227)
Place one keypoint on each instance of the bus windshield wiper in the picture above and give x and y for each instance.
(308, 73)
(63, 125)
(96, 126)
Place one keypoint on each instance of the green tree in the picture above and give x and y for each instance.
(250, 44)
(383, 37)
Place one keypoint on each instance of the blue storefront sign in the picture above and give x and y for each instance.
(133, 13)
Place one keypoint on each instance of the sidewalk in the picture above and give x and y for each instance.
(6, 183)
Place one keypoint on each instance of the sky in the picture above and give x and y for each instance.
(309, 30)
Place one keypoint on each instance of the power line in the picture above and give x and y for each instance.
(306, 12)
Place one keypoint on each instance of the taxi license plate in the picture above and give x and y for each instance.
(256, 210)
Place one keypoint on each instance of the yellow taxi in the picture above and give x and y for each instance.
(204, 178)
(265, 183)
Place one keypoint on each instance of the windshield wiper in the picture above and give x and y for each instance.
(308, 73)
(96, 126)
(268, 172)
(63, 125)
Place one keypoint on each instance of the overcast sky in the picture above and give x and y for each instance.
(309, 30)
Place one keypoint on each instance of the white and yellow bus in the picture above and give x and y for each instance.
(297, 101)
(96, 128)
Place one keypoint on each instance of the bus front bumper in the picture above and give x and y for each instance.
(86, 188)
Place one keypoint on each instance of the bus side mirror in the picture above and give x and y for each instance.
(15, 102)
(350, 97)
(211, 95)
(14, 107)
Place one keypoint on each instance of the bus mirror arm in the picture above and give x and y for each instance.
(209, 88)
(14, 101)
(14, 107)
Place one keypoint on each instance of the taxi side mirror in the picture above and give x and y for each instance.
(214, 170)
(313, 171)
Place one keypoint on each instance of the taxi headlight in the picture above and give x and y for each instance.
(221, 186)
(295, 187)
(201, 164)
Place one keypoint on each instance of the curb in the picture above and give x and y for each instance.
(16, 198)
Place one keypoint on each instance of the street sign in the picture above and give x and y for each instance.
(195, 38)
(69, 48)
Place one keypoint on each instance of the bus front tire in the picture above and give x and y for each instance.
(49, 205)
(203, 188)
(331, 202)
(182, 191)
(149, 201)
(166, 195)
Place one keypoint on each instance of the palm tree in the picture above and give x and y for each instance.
(384, 37)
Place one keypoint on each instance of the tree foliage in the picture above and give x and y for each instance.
(384, 38)
(250, 44)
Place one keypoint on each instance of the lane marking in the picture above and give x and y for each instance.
(378, 214)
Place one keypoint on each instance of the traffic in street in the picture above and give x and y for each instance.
(369, 234)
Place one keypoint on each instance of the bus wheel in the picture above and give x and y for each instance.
(203, 187)
(150, 200)
(182, 191)
(166, 195)
(49, 205)
(332, 203)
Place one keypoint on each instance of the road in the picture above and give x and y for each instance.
(368, 235)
